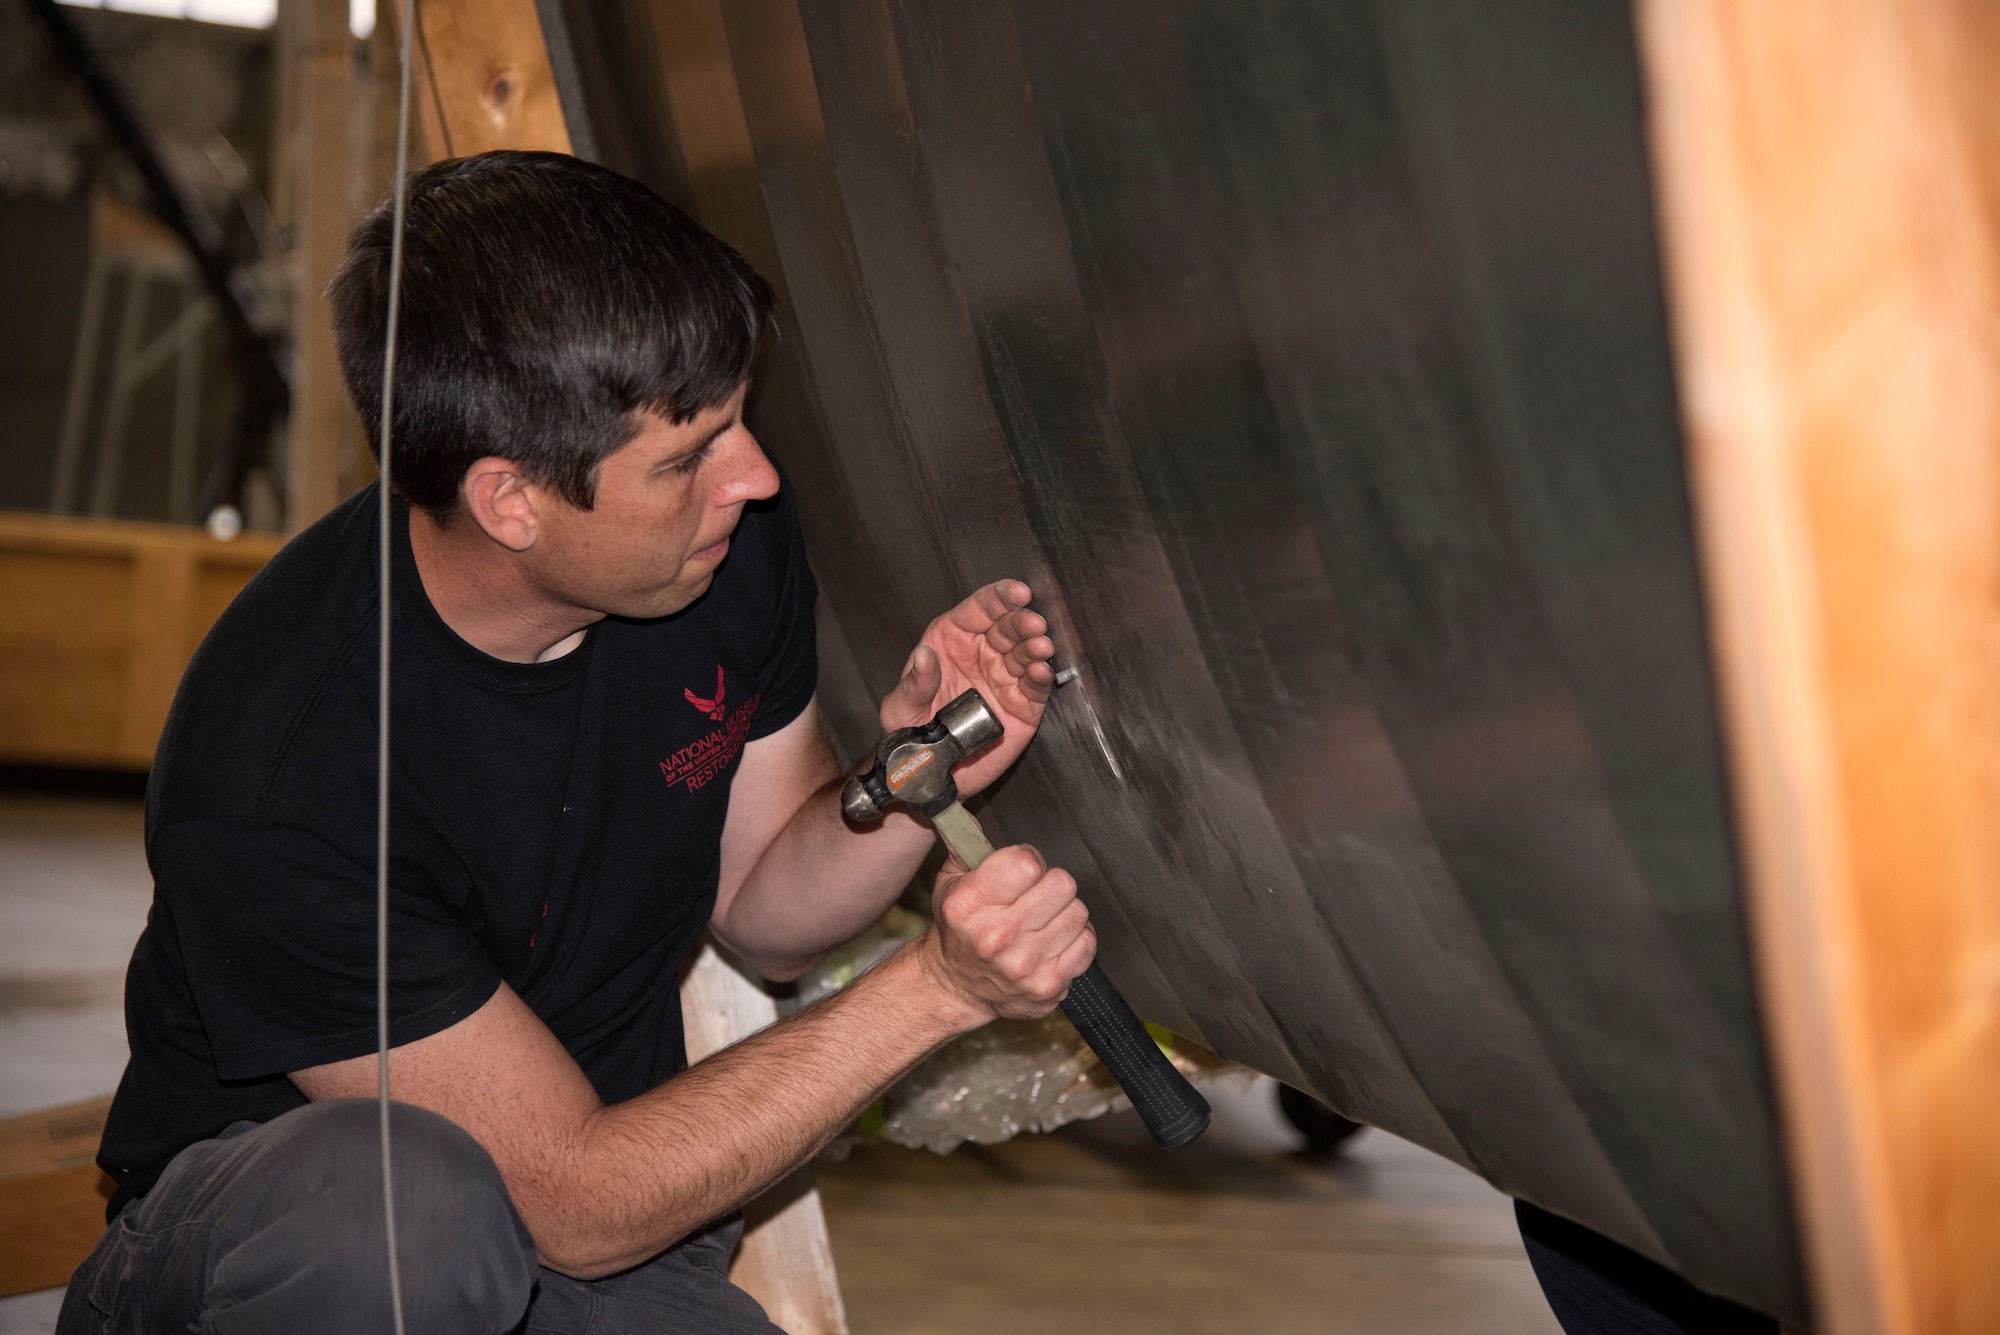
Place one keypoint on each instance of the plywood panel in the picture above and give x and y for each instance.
(1834, 242)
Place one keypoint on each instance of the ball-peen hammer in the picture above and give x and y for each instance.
(913, 767)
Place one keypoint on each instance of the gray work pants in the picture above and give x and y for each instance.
(277, 1230)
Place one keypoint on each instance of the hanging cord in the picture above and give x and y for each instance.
(384, 561)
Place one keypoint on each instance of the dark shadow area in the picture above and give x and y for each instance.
(72, 781)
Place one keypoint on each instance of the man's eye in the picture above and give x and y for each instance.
(692, 462)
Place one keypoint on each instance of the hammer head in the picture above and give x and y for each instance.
(913, 765)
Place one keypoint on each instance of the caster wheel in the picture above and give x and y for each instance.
(1324, 1129)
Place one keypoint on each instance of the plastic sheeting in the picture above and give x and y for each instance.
(1005, 1078)
(1308, 357)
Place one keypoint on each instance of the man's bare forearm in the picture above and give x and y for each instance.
(647, 1172)
(820, 882)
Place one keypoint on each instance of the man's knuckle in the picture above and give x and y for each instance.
(1024, 865)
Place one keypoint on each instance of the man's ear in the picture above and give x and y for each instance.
(503, 503)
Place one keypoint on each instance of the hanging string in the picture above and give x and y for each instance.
(384, 561)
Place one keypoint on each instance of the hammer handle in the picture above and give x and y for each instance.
(1172, 1109)
(960, 831)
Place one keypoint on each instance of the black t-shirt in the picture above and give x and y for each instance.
(553, 825)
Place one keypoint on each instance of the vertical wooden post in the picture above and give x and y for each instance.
(1828, 188)
(321, 83)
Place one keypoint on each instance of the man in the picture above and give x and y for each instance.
(604, 741)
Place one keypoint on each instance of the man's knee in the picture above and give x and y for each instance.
(461, 1244)
(328, 1156)
(466, 1261)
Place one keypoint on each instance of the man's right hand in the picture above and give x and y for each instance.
(1008, 937)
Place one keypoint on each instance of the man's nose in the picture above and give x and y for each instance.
(751, 477)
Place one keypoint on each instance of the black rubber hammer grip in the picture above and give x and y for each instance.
(1172, 1109)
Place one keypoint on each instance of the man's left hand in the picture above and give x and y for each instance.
(990, 641)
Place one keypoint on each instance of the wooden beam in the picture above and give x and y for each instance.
(1828, 183)
(320, 55)
(483, 79)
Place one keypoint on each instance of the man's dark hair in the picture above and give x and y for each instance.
(546, 304)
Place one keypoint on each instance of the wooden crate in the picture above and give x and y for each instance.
(97, 619)
(51, 1194)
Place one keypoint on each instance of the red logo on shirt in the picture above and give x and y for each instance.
(712, 708)
(697, 763)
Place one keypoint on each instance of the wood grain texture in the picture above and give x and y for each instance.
(484, 80)
(1831, 200)
(97, 619)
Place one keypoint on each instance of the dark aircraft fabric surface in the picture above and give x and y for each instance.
(1309, 357)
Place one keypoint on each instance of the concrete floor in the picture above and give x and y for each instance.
(1089, 1228)
(73, 895)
